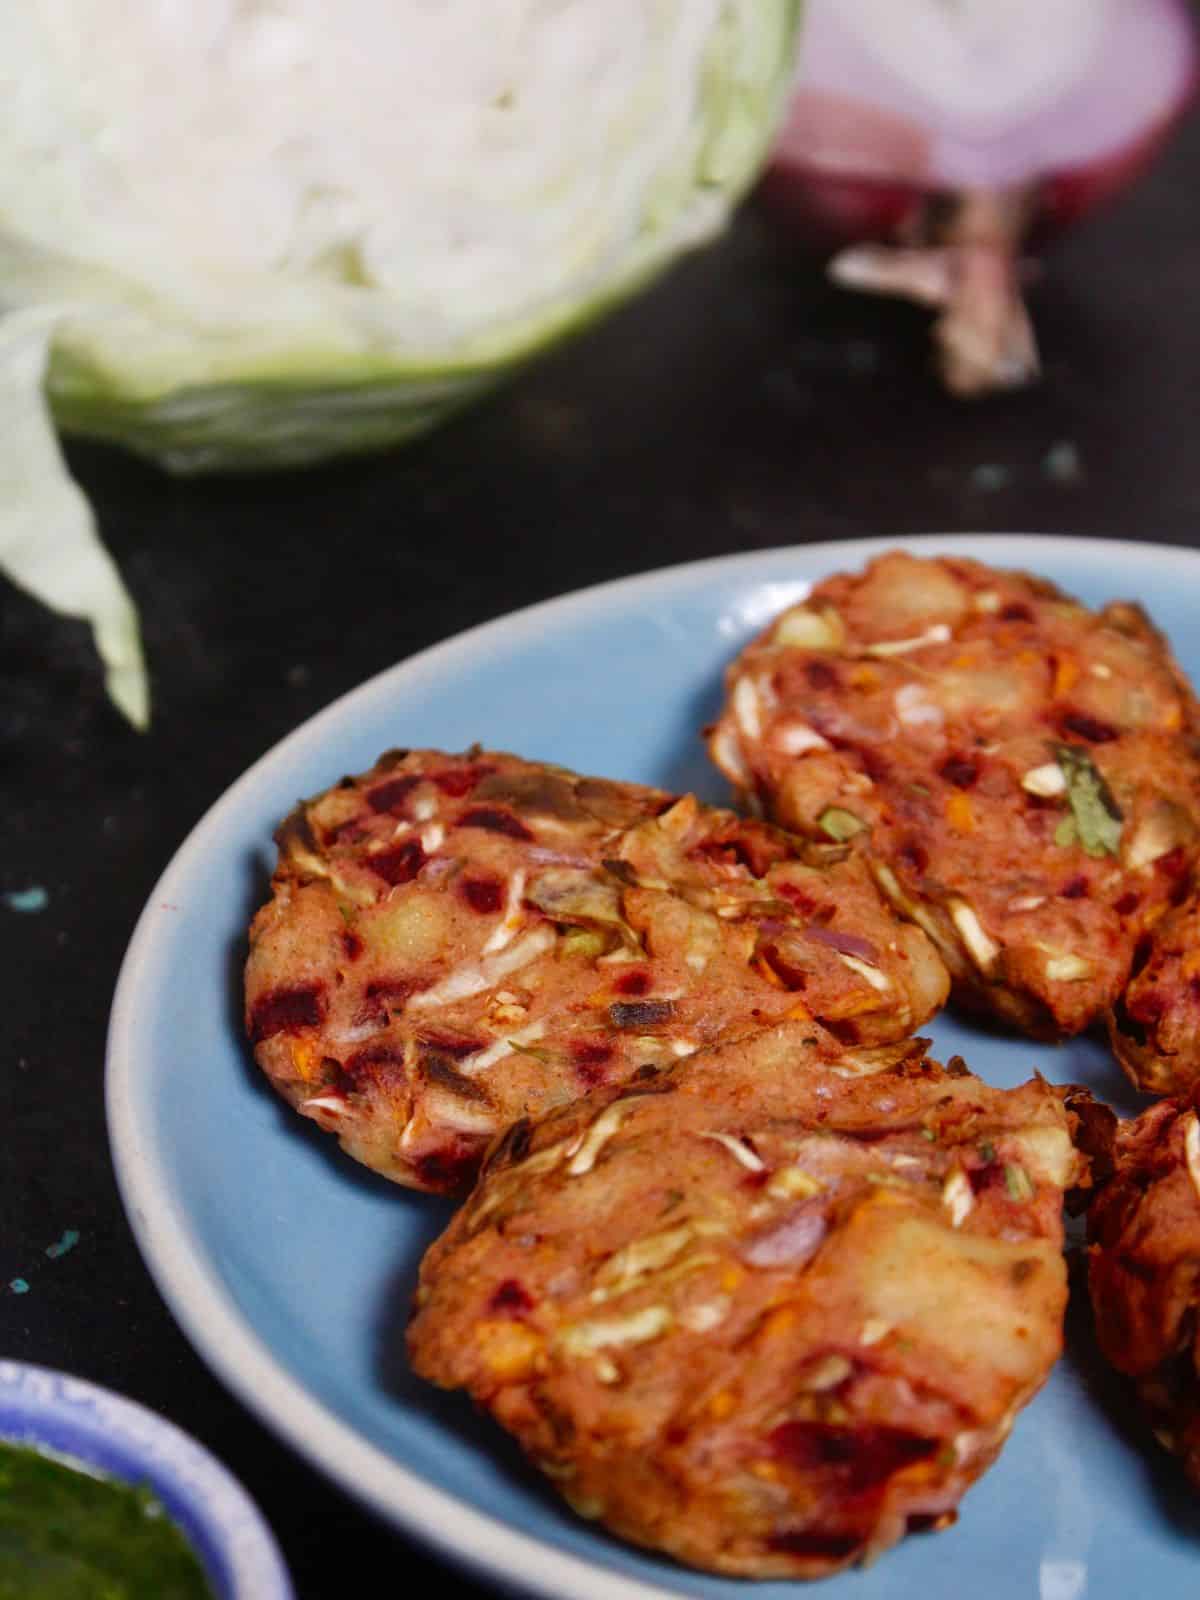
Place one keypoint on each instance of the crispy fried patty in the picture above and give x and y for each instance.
(456, 941)
(761, 1311)
(1023, 774)
(1144, 1268)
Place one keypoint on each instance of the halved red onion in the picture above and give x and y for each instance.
(929, 144)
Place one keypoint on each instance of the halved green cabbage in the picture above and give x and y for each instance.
(250, 233)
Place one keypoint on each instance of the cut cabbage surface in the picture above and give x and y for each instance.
(248, 233)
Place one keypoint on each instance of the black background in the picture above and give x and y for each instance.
(740, 405)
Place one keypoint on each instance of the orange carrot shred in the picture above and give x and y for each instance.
(959, 813)
(1066, 675)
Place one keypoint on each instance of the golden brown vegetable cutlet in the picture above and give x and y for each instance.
(762, 1311)
(1144, 1267)
(1022, 773)
(456, 941)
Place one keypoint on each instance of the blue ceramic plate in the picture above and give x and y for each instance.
(51, 1411)
(291, 1269)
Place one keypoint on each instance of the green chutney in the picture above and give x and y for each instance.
(68, 1535)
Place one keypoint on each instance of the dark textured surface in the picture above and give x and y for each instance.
(741, 405)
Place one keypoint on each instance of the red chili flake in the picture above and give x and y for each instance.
(591, 1052)
(589, 1065)
(446, 1170)
(641, 1013)
(459, 781)
(495, 821)
(1075, 888)
(457, 784)
(352, 945)
(1088, 727)
(961, 771)
(285, 1011)
(390, 796)
(860, 1457)
(379, 998)
(1127, 904)
(821, 675)
(511, 1296)
(484, 895)
(801, 898)
(1016, 611)
(400, 864)
(632, 983)
(815, 1544)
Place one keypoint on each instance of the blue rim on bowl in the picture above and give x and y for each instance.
(49, 1410)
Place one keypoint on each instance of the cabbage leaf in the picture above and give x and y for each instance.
(48, 539)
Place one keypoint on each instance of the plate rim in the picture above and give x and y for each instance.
(204, 1309)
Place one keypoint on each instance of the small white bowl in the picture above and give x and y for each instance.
(51, 1410)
